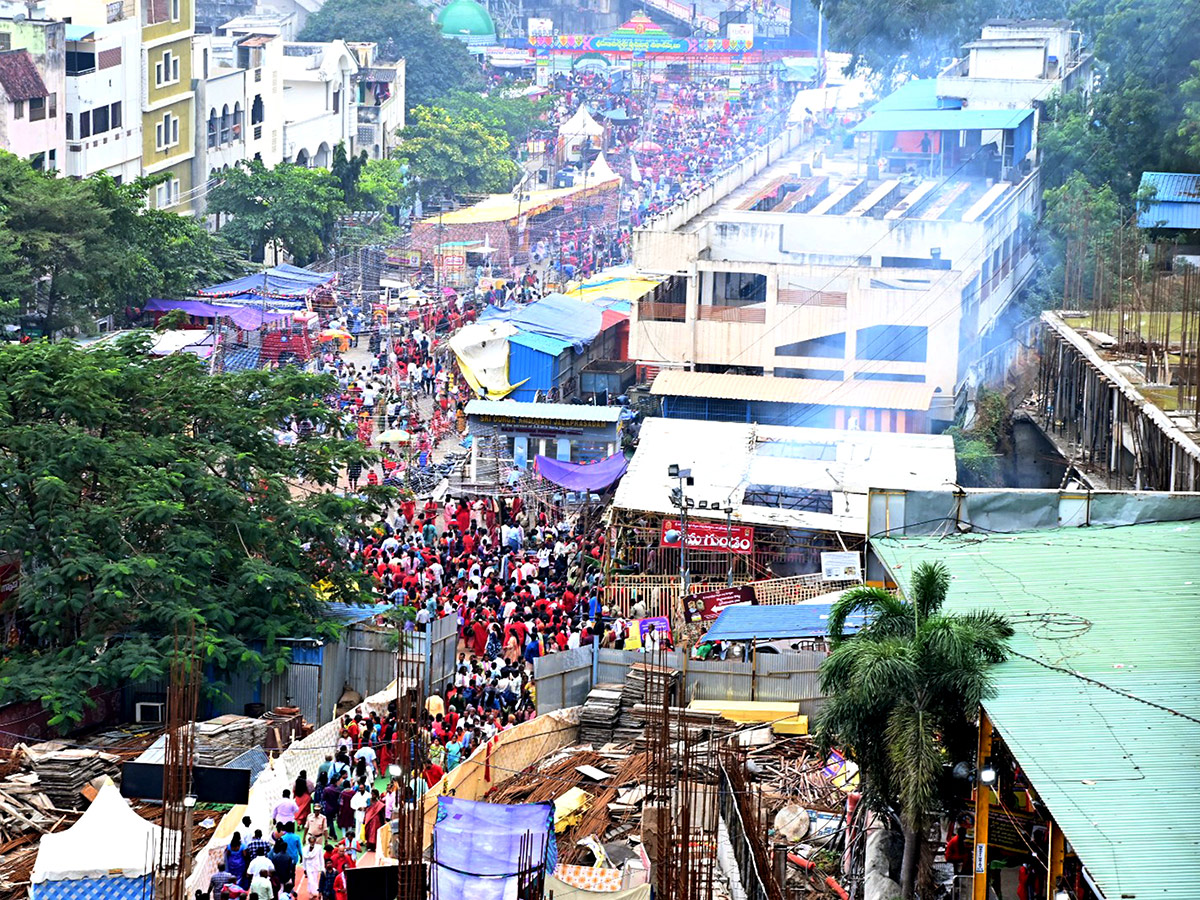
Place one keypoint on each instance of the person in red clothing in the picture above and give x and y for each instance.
(433, 774)
(957, 852)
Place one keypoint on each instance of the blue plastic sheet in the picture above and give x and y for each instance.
(554, 316)
(480, 850)
(280, 282)
(582, 476)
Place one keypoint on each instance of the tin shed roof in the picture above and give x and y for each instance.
(1100, 700)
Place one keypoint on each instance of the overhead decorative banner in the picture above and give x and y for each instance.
(712, 537)
(641, 35)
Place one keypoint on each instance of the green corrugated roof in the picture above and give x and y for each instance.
(1121, 606)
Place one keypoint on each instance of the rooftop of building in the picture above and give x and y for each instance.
(1172, 200)
(1121, 349)
(843, 187)
(1099, 700)
(780, 476)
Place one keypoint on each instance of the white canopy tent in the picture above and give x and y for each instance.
(109, 853)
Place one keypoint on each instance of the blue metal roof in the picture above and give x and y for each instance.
(920, 93)
(1176, 200)
(768, 623)
(539, 342)
(348, 613)
(945, 120)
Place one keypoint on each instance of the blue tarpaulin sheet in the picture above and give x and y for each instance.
(480, 850)
(242, 316)
(769, 623)
(554, 316)
(279, 282)
(582, 476)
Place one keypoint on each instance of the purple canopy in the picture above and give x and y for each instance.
(582, 476)
(242, 316)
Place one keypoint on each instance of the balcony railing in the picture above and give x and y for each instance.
(662, 312)
(804, 297)
(746, 314)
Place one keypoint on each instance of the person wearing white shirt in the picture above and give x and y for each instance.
(573, 640)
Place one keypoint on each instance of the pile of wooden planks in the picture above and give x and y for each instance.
(599, 715)
(221, 740)
(63, 772)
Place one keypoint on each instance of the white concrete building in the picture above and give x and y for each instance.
(1016, 64)
(239, 101)
(319, 95)
(104, 123)
(380, 98)
(893, 262)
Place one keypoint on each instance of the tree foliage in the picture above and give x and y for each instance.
(348, 171)
(455, 153)
(384, 183)
(904, 691)
(1139, 119)
(293, 205)
(915, 37)
(515, 116)
(403, 29)
(145, 499)
(72, 250)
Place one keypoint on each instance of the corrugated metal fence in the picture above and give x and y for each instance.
(564, 679)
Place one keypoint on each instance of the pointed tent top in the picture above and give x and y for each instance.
(581, 123)
(110, 839)
(601, 171)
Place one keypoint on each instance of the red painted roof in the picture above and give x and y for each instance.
(19, 76)
(610, 317)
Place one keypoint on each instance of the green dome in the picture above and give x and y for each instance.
(466, 20)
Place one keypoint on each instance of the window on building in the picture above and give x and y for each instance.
(5, 41)
(85, 125)
(175, 16)
(887, 376)
(738, 288)
(256, 110)
(166, 71)
(213, 128)
(114, 115)
(80, 62)
(37, 109)
(337, 101)
(780, 496)
(827, 346)
(893, 343)
(100, 120)
(52, 165)
(70, 127)
(226, 124)
(52, 105)
(166, 132)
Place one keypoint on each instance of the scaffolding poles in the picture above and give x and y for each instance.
(175, 843)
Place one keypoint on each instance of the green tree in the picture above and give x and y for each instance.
(455, 154)
(384, 184)
(914, 37)
(403, 30)
(348, 171)
(146, 499)
(515, 116)
(60, 240)
(903, 694)
(293, 205)
(162, 254)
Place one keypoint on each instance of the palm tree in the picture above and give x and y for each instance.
(903, 693)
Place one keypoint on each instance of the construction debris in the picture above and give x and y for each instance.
(599, 714)
(62, 772)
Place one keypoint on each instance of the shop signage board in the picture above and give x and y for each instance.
(711, 537)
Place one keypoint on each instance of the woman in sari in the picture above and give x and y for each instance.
(373, 820)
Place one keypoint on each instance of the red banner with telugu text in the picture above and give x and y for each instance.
(712, 537)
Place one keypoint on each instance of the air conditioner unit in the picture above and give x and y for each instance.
(149, 713)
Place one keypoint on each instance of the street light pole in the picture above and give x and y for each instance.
(685, 478)
(729, 544)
